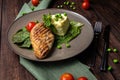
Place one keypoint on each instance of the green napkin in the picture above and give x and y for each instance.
(53, 70)
(43, 5)
(25, 9)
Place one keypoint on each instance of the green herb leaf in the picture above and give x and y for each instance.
(47, 19)
(48, 24)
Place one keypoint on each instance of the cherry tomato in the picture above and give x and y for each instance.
(82, 78)
(30, 25)
(66, 76)
(85, 5)
(35, 2)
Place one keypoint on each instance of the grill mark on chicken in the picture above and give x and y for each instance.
(42, 40)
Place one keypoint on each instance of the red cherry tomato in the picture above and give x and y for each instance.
(30, 25)
(66, 76)
(82, 78)
(35, 2)
(85, 5)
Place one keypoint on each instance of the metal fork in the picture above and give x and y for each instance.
(97, 31)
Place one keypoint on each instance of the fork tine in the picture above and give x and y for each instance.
(98, 27)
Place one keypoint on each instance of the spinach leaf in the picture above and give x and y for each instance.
(26, 43)
(20, 36)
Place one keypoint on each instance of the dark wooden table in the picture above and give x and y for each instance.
(108, 12)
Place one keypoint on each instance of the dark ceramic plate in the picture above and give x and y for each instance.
(78, 44)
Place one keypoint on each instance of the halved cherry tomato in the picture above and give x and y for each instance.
(66, 76)
(82, 78)
(85, 5)
(30, 25)
(35, 2)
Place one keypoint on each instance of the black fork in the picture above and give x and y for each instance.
(97, 31)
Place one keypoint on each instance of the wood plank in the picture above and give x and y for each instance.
(0, 20)
(10, 66)
(0, 36)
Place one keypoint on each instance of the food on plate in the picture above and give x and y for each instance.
(30, 25)
(59, 21)
(66, 76)
(22, 38)
(42, 40)
(63, 32)
(55, 30)
(73, 31)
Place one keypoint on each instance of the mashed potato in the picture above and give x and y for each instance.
(61, 23)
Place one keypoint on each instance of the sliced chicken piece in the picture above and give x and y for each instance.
(42, 40)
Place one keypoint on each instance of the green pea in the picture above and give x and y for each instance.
(58, 6)
(65, 14)
(72, 3)
(59, 46)
(109, 50)
(56, 19)
(74, 8)
(61, 6)
(115, 50)
(109, 68)
(67, 3)
(59, 15)
(71, 6)
(67, 45)
(115, 61)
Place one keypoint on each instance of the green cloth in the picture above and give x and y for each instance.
(53, 70)
(43, 5)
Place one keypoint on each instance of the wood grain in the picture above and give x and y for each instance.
(10, 66)
(106, 11)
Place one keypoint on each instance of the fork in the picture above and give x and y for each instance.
(97, 31)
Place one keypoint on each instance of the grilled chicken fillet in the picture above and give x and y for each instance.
(42, 40)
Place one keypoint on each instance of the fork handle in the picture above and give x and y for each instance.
(95, 50)
(103, 66)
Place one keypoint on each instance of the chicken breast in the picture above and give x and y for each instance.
(42, 40)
